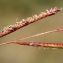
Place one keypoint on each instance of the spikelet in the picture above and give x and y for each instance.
(25, 22)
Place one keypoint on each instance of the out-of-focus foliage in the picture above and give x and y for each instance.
(12, 9)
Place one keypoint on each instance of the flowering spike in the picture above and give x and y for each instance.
(24, 22)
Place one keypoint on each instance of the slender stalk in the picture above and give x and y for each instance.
(37, 44)
(24, 22)
(57, 30)
(41, 44)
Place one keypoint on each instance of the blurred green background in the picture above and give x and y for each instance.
(12, 53)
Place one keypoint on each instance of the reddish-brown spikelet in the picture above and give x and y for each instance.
(24, 22)
(37, 44)
(9, 29)
(41, 44)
